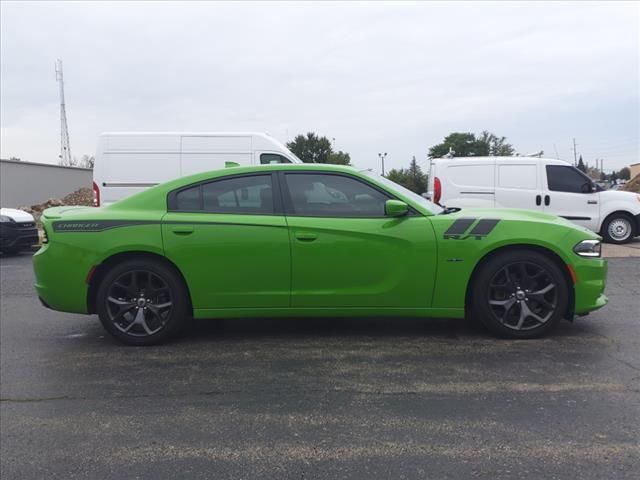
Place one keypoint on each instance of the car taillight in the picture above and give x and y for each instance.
(96, 195)
(437, 190)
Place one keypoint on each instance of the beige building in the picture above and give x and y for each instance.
(635, 169)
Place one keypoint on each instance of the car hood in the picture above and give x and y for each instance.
(17, 215)
(619, 195)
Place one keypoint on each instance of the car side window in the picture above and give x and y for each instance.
(189, 199)
(567, 179)
(246, 194)
(325, 195)
(267, 158)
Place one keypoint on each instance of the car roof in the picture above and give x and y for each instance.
(502, 158)
(320, 167)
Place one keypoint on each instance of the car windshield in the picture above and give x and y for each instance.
(432, 207)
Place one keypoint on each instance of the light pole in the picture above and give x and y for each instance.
(382, 157)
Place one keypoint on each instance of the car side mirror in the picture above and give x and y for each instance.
(587, 187)
(395, 208)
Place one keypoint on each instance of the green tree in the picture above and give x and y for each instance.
(311, 148)
(624, 173)
(497, 146)
(339, 158)
(581, 166)
(466, 144)
(87, 161)
(411, 178)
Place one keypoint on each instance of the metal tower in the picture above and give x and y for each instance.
(65, 148)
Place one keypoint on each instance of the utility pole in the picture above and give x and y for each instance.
(382, 157)
(65, 147)
(575, 154)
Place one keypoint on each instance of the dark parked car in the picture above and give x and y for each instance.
(18, 230)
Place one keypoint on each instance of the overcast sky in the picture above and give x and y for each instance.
(379, 77)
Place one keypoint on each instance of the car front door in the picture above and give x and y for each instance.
(229, 239)
(346, 253)
(568, 193)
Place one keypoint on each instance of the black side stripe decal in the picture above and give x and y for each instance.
(459, 226)
(481, 229)
(102, 225)
(96, 225)
(484, 226)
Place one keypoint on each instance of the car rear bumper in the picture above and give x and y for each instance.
(637, 232)
(59, 284)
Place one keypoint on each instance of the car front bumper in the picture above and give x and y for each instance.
(16, 235)
(591, 280)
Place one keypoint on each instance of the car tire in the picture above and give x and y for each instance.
(618, 228)
(142, 302)
(519, 294)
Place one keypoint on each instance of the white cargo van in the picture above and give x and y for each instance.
(542, 184)
(129, 162)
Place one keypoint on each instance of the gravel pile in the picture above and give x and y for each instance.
(82, 196)
(633, 185)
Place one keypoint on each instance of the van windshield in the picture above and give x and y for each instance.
(432, 207)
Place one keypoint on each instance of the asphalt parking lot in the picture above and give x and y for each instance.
(319, 398)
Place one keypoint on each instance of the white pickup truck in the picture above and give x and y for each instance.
(542, 184)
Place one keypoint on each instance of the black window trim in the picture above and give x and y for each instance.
(289, 211)
(275, 185)
(588, 180)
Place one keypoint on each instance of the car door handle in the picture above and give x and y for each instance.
(547, 200)
(538, 199)
(183, 230)
(306, 236)
(592, 202)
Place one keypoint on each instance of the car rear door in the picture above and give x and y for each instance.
(568, 194)
(346, 253)
(229, 239)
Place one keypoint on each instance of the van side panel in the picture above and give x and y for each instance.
(467, 183)
(203, 153)
(128, 164)
(518, 184)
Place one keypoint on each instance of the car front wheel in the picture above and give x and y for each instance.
(618, 228)
(142, 302)
(519, 294)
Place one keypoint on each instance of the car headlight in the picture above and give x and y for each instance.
(588, 248)
(5, 219)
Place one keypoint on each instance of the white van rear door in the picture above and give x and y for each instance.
(518, 184)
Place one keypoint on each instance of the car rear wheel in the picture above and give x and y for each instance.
(142, 302)
(618, 228)
(519, 294)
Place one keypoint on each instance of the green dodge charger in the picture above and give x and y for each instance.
(311, 240)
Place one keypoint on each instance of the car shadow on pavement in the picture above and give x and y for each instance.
(370, 328)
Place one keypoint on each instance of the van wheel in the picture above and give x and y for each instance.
(519, 294)
(142, 302)
(618, 228)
